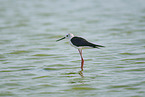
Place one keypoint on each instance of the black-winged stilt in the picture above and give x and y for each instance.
(80, 43)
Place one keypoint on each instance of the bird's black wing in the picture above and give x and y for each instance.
(78, 41)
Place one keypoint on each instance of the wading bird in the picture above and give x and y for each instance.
(80, 43)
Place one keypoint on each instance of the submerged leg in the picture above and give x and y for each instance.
(82, 60)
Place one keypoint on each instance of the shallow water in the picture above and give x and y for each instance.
(33, 64)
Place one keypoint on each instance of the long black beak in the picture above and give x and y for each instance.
(60, 39)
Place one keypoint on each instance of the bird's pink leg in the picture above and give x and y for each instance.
(82, 60)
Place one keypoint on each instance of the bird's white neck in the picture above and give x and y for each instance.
(70, 36)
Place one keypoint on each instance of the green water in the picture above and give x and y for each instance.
(33, 64)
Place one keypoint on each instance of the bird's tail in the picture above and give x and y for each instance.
(98, 46)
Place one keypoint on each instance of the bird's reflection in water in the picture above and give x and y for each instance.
(81, 73)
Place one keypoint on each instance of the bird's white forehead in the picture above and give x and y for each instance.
(69, 35)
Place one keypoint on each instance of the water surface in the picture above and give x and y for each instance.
(33, 64)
